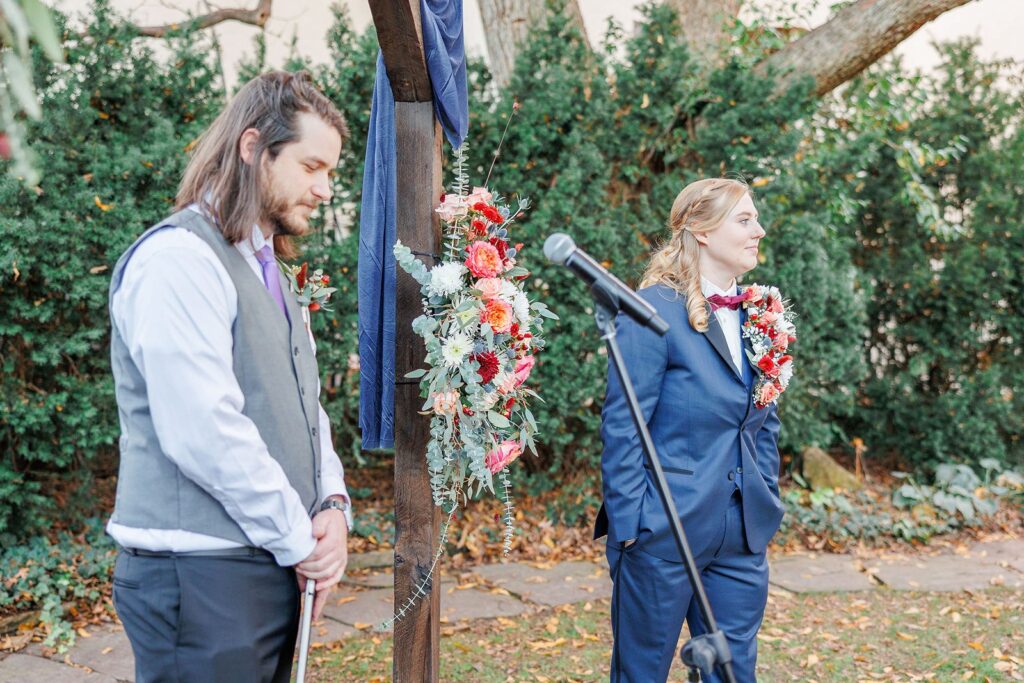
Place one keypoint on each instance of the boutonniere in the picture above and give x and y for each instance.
(769, 327)
(311, 290)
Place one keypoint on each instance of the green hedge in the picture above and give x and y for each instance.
(893, 215)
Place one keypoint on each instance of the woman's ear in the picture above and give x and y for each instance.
(247, 145)
(701, 237)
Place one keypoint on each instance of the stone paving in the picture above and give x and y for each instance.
(510, 589)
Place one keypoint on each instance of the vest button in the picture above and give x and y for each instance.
(302, 390)
(739, 470)
(296, 350)
(732, 476)
(313, 430)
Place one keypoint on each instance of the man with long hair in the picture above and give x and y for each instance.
(230, 495)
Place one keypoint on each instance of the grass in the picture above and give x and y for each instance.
(880, 635)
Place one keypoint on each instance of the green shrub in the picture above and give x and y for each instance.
(892, 211)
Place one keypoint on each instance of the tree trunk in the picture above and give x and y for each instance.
(853, 40)
(508, 24)
(705, 25)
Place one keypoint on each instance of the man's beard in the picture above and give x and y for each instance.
(278, 212)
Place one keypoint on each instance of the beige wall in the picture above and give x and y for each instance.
(999, 24)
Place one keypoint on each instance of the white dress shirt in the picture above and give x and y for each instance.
(728, 319)
(175, 308)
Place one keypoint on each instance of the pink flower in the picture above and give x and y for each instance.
(775, 306)
(451, 207)
(753, 294)
(483, 260)
(497, 314)
(769, 317)
(500, 457)
(479, 194)
(490, 287)
(523, 368)
(506, 383)
(781, 343)
(769, 392)
(446, 402)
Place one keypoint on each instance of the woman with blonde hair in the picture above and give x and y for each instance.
(707, 390)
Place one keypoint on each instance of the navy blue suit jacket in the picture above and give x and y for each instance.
(704, 424)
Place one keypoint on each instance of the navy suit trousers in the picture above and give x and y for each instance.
(208, 619)
(651, 597)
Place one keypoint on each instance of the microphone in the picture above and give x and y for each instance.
(559, 248)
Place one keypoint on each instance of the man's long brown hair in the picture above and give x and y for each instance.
(220, 181)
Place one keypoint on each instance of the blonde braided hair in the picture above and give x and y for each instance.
(701, 207)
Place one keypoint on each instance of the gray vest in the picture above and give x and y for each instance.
(276, 370)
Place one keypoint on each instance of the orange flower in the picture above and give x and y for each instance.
(498, 314)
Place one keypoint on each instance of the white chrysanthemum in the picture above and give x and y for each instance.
(455, 349)
(485, 400)
(446, 279)
(521, 307)
(786, 373)
(508, 290)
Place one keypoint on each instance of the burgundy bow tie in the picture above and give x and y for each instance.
(731, 302)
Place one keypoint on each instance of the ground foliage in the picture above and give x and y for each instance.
(880, 635)
(892, 209)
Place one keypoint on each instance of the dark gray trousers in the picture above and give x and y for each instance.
(208, 619)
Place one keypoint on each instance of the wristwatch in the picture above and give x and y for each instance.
(335, 504)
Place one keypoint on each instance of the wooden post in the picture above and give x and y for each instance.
(417, 520)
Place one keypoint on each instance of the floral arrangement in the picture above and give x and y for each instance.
(482, 334)
(312, 290)
(769, 327)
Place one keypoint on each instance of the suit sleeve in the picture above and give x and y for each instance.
(622, 461)
(768, 449)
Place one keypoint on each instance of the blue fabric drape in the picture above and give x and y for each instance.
(445, 52)
(444, 49)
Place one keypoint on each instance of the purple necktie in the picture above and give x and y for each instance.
(270, 277)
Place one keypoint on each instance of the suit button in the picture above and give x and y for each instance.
(313, 430)
(732, 476)
(302, 390)
(739, 470)
(296, 350)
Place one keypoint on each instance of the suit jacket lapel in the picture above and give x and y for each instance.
(748, 348)
(716, 337)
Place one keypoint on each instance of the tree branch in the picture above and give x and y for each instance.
(257, 17)
(858, 36)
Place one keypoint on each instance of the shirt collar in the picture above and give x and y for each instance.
(708, 288)
(255, 242)
(250, 246)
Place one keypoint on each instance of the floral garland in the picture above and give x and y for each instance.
(482, 334)
(769, 327)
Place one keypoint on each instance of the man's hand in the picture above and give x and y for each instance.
(326, 564)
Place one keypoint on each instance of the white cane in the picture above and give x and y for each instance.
(307, 620)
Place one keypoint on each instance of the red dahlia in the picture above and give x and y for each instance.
(488, 365)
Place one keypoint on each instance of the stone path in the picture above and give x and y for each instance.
(506, 590)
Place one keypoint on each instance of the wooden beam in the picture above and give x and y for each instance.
(417, 520)
(417, 638)
(400, 35)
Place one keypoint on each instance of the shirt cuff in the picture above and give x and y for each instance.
(295, 547)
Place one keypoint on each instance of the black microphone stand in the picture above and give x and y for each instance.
(707, 651)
